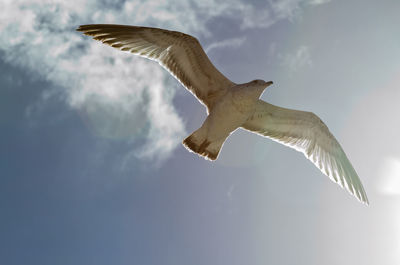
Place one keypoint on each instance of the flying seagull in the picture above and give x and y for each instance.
(230, 105)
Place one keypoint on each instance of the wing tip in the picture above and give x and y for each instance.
(82, 28)
(364, 201)
(86, 29)
(359, 194)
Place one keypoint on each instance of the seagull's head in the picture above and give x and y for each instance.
(262, 83)
(259, 86)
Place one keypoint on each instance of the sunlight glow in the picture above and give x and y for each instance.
(389, 177)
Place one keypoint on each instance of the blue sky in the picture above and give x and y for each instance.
(93, 172)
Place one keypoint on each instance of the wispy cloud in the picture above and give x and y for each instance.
(273, 11)
(285, 8)
(290, 9)
(233, 43)
(128, 92)
(319, 2)
(300, 58)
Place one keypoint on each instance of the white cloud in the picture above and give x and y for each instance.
(40, 36)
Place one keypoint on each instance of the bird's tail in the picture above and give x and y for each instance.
(198, 143)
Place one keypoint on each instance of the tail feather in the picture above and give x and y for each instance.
(203, 147)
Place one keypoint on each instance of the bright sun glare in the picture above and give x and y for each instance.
(389, 179)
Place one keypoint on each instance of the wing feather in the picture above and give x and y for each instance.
(181, 54)
(305, 132)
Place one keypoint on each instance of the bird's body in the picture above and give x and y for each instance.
(229, 105)
(230, 112)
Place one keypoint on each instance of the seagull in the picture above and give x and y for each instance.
(229, 105)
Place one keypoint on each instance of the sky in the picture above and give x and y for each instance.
(92, 170)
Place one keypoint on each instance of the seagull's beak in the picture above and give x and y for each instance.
(267, 84)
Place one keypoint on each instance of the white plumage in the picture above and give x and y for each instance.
(229, 105)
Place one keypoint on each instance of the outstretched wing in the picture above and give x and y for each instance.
(181, 54)
(306, 133)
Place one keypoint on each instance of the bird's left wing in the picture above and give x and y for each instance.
(181, 54)
(306, 133)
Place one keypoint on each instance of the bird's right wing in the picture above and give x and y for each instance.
(181, 54)
(306, 133)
